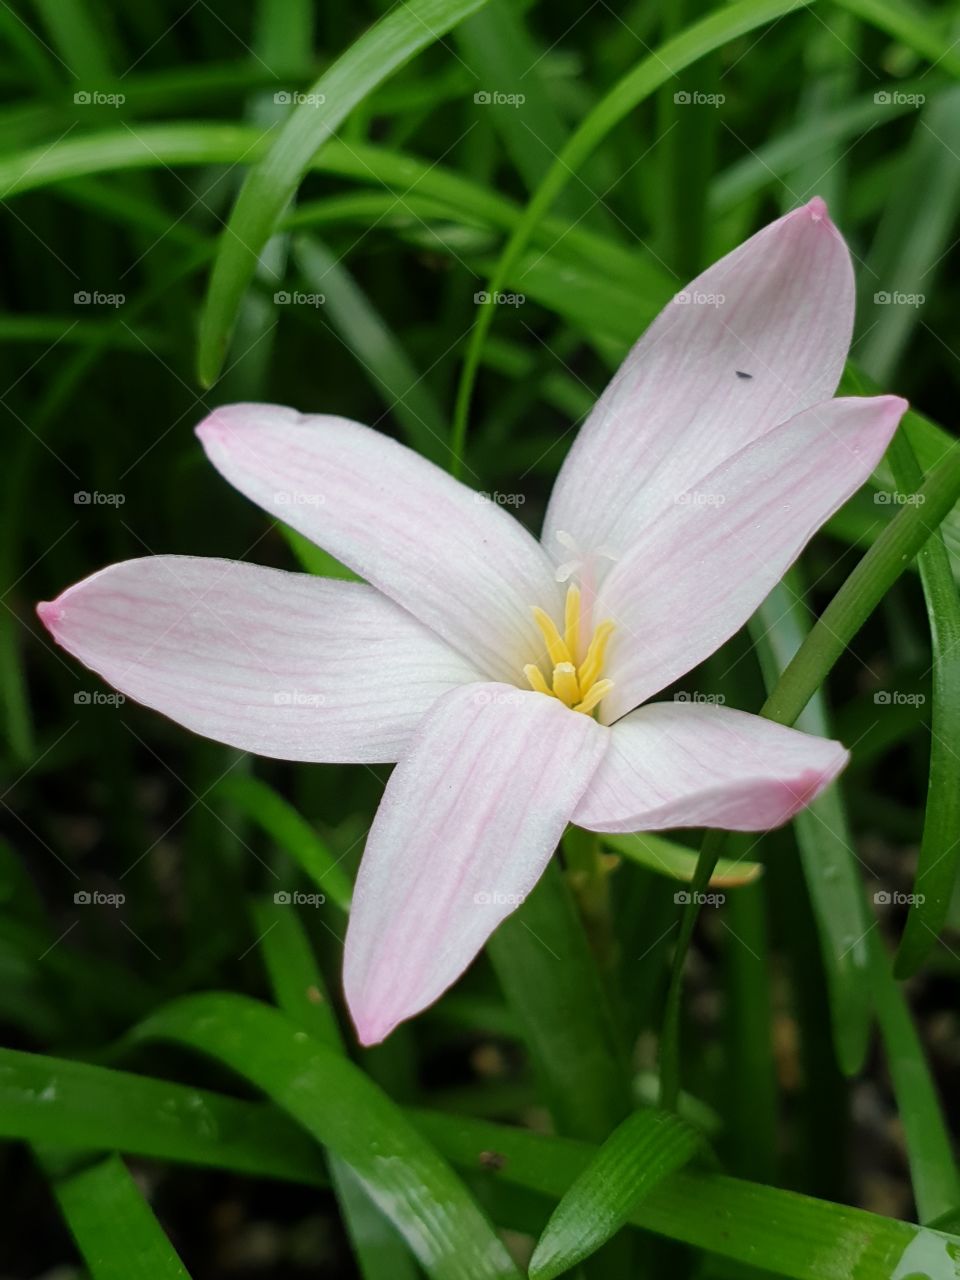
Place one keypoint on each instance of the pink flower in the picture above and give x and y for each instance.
(511, 678)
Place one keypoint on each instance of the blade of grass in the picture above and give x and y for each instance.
(912, 240)
(907, 23)
(682, 51)
(826, 847)
(646, 1148)
(343, 1109)
(270, 185)
(551, 982)
(114, 1227)
(781, 1231)
(676, 861)
(300, 992)
(278, 818)
(66, 1104)
(377, 349)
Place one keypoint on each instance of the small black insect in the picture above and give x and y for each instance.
(741, 374)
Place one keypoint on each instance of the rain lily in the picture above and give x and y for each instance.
(511, 679)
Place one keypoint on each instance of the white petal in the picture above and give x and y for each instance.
(698, 573)
(453, 558)
(780, 309)
(280, 664)
(680, 764)
(468, 821)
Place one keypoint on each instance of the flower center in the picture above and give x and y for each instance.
(575, 682)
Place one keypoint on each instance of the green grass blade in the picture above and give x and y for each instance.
(905, 22)
(300, 992)
(638, 1155)
(933, 1170)
(278, 818)
(912, 239)
(114, 1227)
(866, 586)
(826, 844)
(939, 861)
(375, 347)
(676, 861)
(661, 66)
(780, 1231)
(60, 1103)
(346, 1112)
(270, 185)
(552, 984)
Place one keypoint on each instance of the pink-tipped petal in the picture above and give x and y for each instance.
(468, 821)
(698, 573)
(280, 664)
(456, 560)
(682, 764)
(757, 338)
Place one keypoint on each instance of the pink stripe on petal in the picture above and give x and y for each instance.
(757, 338)
(680, 764)
(280, 664)
(456, 560)
(468, 821)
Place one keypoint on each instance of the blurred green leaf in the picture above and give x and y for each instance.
(394, 40)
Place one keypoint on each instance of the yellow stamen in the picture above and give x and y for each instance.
(571, 621)
(597, 693)
(565, 683)
(537, 682)
(555, 647)
(592, 664)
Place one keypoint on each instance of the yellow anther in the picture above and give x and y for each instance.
(597, 693)
(565, 684)
(555, 646)
(579, 688)
(571, 621)
(537, 682)
(592, 664)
